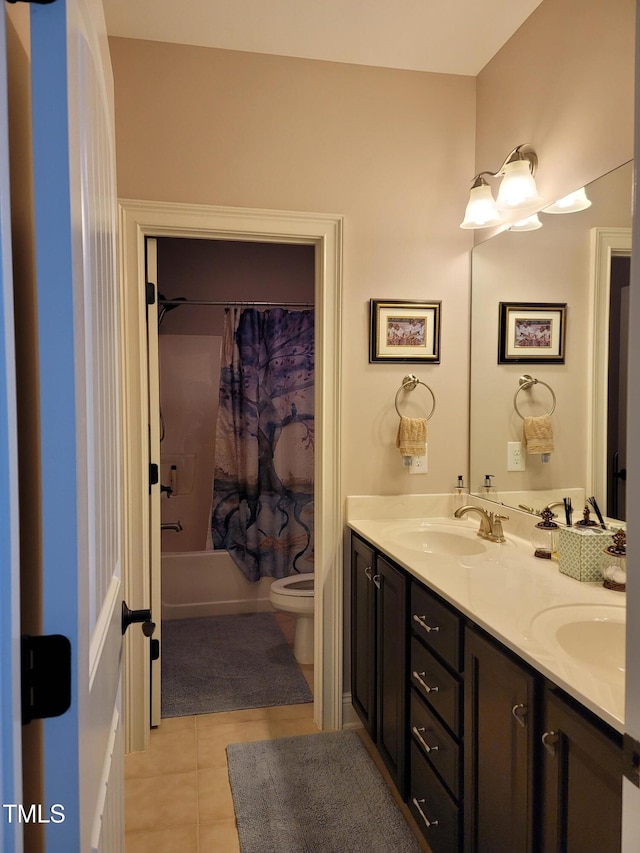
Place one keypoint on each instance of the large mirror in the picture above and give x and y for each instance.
(579, 260)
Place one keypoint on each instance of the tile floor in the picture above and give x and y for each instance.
(177, 793)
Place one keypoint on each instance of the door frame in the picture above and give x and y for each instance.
(605, 244)
(142, 219)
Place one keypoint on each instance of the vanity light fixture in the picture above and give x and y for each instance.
(572, 203)
(531, 223)
(517, 190)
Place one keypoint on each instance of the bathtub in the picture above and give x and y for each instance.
(208, 583)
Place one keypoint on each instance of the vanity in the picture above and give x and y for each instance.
(491, 684)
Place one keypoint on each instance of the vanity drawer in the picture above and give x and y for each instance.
(436, 625)
(435, 812)
(441, 690)
(437, 745)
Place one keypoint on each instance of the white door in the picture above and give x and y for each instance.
(80, 386)
(10, 766)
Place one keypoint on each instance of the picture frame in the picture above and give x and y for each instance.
(404, 331)
(532, 332)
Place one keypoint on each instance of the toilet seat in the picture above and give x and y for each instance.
(295, 585)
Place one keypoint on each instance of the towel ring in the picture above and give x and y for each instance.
(408, 384)
(526, 382)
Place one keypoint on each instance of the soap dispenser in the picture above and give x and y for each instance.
(488, 487)
(459, 493)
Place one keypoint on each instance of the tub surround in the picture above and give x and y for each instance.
(505, 590)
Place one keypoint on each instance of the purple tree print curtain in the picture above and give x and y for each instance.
(263, 486)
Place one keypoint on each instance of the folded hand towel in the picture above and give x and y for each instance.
(537, 435)
(412, 436)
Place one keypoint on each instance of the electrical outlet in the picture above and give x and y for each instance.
(515, 456)
(419, 463)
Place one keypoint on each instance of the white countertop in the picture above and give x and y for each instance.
(503, 591)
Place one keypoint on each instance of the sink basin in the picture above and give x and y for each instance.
(440, 538)
(590, 634)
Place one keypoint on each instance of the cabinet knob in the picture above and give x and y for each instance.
(550, 742)
(519, 712)
(376, 580)
(418, 804)
(419, 677)
(368, 572)
(422, 622)
(418, 732)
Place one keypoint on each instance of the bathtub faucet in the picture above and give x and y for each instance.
(172, 525)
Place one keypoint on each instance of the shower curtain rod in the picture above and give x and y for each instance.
(231, 303)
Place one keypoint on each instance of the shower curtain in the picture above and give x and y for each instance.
(262, 511)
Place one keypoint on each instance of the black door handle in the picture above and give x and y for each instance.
(144, 616)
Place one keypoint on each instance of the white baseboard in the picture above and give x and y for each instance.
(350, 720)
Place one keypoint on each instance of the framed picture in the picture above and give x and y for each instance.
(532, 332)
(404, 331)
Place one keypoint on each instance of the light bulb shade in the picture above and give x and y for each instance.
(481, 210)
(518, 188)
(572, 203)
(531, 223)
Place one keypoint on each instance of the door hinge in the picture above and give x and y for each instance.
(46, 676)
(154, 475)
(151, 293)
(631, 760)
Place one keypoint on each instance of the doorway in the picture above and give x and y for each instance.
(202, 285)
(138, 220)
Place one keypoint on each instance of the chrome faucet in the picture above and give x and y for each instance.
(490, 523)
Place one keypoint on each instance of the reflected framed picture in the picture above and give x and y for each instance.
(532, 332)
(404, 331)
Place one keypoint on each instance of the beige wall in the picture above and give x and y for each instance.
(394, 152)
(564, 83)
(384, 148)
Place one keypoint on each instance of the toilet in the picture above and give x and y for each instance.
(294, 595)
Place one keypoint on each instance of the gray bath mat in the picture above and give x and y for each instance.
(320, 793)
(228, 663)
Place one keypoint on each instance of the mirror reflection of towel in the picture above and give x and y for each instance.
(537, 435)
(412, 436)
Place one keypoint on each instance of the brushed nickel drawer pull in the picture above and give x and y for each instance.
(422, 622)
(418, 804)
(550, 742)
(519, 712)
(419, 676)
(418, 733)
(368, 572)
(376, 580)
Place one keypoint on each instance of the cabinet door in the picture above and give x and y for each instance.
(363, 634)
(499, 744)
(582, 783)
(392, 669)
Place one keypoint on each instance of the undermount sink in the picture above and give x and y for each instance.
(590, 634)
(443, 538)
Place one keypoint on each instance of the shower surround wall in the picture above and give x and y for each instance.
(189, 347)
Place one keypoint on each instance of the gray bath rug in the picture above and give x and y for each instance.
(228, 663)
(317, 793)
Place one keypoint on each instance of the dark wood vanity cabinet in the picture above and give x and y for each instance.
(436, 719)
(499, 764)
(541, 772)
(363, 634)
(489, 755)
(379, 655)
(581, 802)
